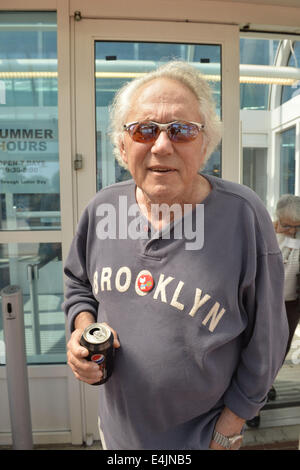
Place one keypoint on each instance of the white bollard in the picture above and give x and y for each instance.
(16, 367)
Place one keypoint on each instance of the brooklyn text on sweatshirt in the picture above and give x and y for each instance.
(106, 280)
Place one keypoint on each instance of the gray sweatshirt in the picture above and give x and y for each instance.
(212, 332)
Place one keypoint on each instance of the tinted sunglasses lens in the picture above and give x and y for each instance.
(177, 132)
(289, 227)
(182, 132)
(144, 132)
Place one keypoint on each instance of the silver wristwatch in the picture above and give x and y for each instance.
(232, 442)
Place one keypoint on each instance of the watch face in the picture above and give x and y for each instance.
(235, 442)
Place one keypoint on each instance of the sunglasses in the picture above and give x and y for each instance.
(288, 227)
(177, 131)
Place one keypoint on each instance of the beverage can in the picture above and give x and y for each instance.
(98, 339)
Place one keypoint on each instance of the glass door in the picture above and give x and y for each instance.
(31, 211)
(110, 53)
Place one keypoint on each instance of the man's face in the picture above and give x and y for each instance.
(165, 171)
(288, 227)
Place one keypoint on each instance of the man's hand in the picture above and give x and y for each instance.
(86, 371)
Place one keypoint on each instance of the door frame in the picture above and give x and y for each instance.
(84, 33)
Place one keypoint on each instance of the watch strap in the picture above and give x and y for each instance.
(224, 441)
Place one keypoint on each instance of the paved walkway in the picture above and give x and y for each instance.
(291, 445)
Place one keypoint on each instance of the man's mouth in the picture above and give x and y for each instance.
(161, 169)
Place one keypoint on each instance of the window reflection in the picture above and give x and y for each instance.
(289, 92)
(265, 144)
(256, 52)
(37, 269)
(269, 153)
(29, 165)
(287, 161)
(255, 170)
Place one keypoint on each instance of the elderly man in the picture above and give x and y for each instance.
(197, 349)
(287, 227)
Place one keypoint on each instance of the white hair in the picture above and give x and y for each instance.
(183, 73)
(288, 206)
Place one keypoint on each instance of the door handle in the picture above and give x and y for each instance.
(78, 162)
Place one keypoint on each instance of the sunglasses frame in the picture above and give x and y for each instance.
(162, 127)
(288, 227)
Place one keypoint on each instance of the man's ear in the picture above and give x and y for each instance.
(123, 151)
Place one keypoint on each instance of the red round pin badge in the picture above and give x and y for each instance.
(145, 282)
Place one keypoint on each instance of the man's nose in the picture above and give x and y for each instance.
(163, 144)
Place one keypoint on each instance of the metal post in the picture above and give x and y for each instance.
(16, 367)
(32, 274)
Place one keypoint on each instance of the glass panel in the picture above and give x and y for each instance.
(254, 92)
(37, 269)
(289, 92)
(287, 161)
(29, 165)
(262, 78)
(117, 62)
(255, 170)
(269, 152)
